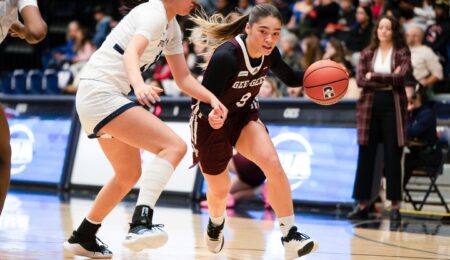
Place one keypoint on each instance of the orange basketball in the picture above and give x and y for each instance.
(325, 82)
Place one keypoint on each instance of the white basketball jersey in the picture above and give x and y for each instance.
(147, 19)
(9, 14)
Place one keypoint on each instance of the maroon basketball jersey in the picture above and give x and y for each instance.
(241, 89)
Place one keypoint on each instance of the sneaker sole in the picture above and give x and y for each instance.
(142, 242)
(212, 251)
(310, 247)
(76, 249)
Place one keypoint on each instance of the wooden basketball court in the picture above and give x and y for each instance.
(34, 226)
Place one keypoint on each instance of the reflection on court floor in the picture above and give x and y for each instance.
(34, 226)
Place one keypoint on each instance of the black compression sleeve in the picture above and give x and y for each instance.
(221, 67)
(289, 77)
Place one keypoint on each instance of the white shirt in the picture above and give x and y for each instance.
(383, 66)
(9, 14)
(147, 19)
(425, 62)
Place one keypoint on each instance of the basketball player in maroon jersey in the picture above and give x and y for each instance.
(235, 73)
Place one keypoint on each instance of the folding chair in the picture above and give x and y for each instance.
(431, 173)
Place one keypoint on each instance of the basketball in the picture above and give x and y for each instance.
(325, 82)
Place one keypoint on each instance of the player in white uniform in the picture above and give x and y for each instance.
(33, 30)
(148, 30)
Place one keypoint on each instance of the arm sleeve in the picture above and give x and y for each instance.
(289, 77)
(221, 67)
(22, 3)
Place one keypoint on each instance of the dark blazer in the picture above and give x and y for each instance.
(400, 58)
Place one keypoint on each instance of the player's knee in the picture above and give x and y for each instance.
(179, 149)
(270, 163)
(220, 191)
(128, 178)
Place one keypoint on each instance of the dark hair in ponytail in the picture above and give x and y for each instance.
(127, 5)
(213, 31)
(210, 32)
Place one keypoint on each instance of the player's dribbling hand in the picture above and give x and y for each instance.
(16, 30)
(216, 118)
(145, 93)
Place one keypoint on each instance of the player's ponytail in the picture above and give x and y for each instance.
(127, 5)
(210, 32)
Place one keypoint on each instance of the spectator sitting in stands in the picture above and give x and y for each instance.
(290, 52)
(335, 51)
(423, 142)
(327, 11)
(103, 26)
(299, 10)
(359, 36)
(311, 51)
(341, 29)
(426, 67)
(244, 6)
(60, 55)
(269, 88)
(437, 35)
(83, 49)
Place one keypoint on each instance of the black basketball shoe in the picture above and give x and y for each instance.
(93, 248)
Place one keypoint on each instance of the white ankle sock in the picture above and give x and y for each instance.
(286, 223)
(154, 178)
(217, 221)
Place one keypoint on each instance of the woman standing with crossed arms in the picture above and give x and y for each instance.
(105, 111)
(235, 74)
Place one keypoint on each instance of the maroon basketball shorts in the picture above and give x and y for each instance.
(213, 149)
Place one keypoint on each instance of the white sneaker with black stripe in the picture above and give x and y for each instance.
(298, 244)
(141, 237)
(143, 233)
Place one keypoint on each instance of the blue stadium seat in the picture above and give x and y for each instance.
(19, 82)
(5, 83)
(50, 82)
(34, 82)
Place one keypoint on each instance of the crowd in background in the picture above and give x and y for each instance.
(314, 29)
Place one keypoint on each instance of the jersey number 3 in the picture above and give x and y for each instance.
(244, 99)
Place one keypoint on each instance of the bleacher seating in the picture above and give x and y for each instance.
(34, 82)
(50, 82)
(19, 82)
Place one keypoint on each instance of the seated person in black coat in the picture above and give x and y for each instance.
(423, 142)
